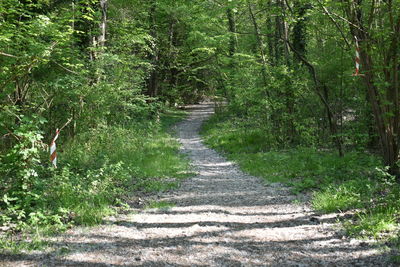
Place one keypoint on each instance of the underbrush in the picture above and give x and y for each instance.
(356, 182)
(95, 173)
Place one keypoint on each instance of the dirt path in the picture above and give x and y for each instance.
(222, 217)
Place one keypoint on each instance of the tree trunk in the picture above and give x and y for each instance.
(322, 91)
(232, 31)
(103, 23)
(299, 29)
(172, 44)
(100, 40)
(281, 33)
(384, 100)
(152, 83)
(260, 44)
(232, 50)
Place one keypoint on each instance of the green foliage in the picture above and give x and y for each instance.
(348, 195)
(338, 184)
(256, 153)
(380, 213)
(237, 137)
(163, 205)
(24, 243)
(19, 172)
(95, 171)
(286, 113)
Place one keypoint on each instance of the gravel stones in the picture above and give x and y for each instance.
(221, 217)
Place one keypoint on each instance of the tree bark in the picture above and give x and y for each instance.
(322, 91)
(233, 42)
(281, 33)
(384, 100)
(232, 31)
(260, 44)
(172, 44)
(103, 23)
(299, 29)
(152, 83)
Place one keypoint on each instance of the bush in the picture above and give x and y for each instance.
(95, 171)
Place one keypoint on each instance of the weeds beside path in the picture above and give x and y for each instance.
(220, 217)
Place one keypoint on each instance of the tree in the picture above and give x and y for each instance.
(376, 24)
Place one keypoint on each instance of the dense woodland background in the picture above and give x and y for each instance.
(115, 68)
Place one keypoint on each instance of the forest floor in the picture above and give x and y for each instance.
(220, 217)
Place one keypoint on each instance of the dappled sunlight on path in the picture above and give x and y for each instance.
(220, 217)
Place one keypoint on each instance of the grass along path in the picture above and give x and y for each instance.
(98, 173)
(356, 183)
(220, 217)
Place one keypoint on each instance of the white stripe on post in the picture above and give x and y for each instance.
(53, 152)
(357, 73)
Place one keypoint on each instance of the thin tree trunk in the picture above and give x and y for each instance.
(322, 92)
(152, 84)
(384, 101)
(173, 43)
(260, 44)
(232, 50)
(103, 23)
(232, 30)
(270, 38)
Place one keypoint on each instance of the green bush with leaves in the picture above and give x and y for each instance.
(96, 171)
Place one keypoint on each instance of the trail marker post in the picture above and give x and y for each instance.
(357, 59)
(53, 152)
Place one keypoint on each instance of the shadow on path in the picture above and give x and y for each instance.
(222, 217)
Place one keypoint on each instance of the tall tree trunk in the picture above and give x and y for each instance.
(322, 91)
(384, 100)
(152, 83)
(299, 29)
(232, 31)
(103, 23)
(232, 50)
(271, 38)
(172, 46)
(281, 33)
(100, 40)
(260, 44)
(299, 44)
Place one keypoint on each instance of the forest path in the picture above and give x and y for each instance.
(221, 217)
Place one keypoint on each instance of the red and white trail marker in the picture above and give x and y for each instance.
(53, 152)
(357, 72)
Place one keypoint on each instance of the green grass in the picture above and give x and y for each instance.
(376, 223)
(171, 117)
(95, 173)
(354, 182)
(142, 158)
(342, 197)
(14, 244)
(163, 205)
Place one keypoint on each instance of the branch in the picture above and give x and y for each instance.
(7, 55)
(10, 133)
(371, 14)
(313, 74)
(252, 33)
(218, 2)
(68, 122)
(289, 7)
(335, 23)
(347, 21)
(65, 68)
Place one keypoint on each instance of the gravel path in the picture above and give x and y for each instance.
(221, 217)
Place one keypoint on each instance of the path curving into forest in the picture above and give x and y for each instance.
(221, 217)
